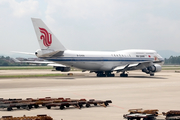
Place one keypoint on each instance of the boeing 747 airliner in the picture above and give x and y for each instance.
(101, 62)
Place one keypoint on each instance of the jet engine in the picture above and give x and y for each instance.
(63, 69)
(154, 68)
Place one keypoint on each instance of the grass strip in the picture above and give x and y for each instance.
(173, 68)
(30, 76)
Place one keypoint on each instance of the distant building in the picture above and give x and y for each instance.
(21, 59)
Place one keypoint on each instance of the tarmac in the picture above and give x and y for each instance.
(139, 90)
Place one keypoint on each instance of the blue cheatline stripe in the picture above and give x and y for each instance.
(93, 59)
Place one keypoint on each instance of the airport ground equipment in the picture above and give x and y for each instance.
(16, 103)
(25, 104)
(10, 106)
(172, 115)
(49, 102)
(149, 111)
(38, 117)
(139, 116)
(78, 103)
(42, 101)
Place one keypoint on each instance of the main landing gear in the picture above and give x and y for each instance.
(123, 74)
(151, 74)
(105, 74)
(109, 74)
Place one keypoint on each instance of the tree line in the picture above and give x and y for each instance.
(7, 61)
(172, 60)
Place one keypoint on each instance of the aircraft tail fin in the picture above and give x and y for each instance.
(47, 40)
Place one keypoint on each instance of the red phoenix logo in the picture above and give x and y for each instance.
(46, 37)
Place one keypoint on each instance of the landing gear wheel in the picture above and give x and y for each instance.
(151, 74)
(110, 75)
(123, 75)
(101, 75)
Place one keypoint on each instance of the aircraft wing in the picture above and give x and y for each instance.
(134, 66)
(51, 54)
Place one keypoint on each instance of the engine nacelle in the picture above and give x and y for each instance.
(154, 68)
(63, 69)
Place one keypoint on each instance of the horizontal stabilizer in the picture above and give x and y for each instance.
(36, 62)
(27, 53)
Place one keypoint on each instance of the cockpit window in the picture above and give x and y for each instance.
(150, 53)
(158, 56)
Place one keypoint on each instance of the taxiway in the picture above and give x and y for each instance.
(137, 91)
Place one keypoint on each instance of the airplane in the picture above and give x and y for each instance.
(101, 62)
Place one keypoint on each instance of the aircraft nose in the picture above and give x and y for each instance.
(160, 58)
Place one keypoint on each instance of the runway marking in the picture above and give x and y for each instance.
(117, 106)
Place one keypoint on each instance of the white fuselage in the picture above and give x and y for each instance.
(105, 61)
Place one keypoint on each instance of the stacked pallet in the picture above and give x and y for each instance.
(148, 111)
(38, 117)
(172, 115)
(49, 102)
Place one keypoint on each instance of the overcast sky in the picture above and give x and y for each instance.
(92, 24)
